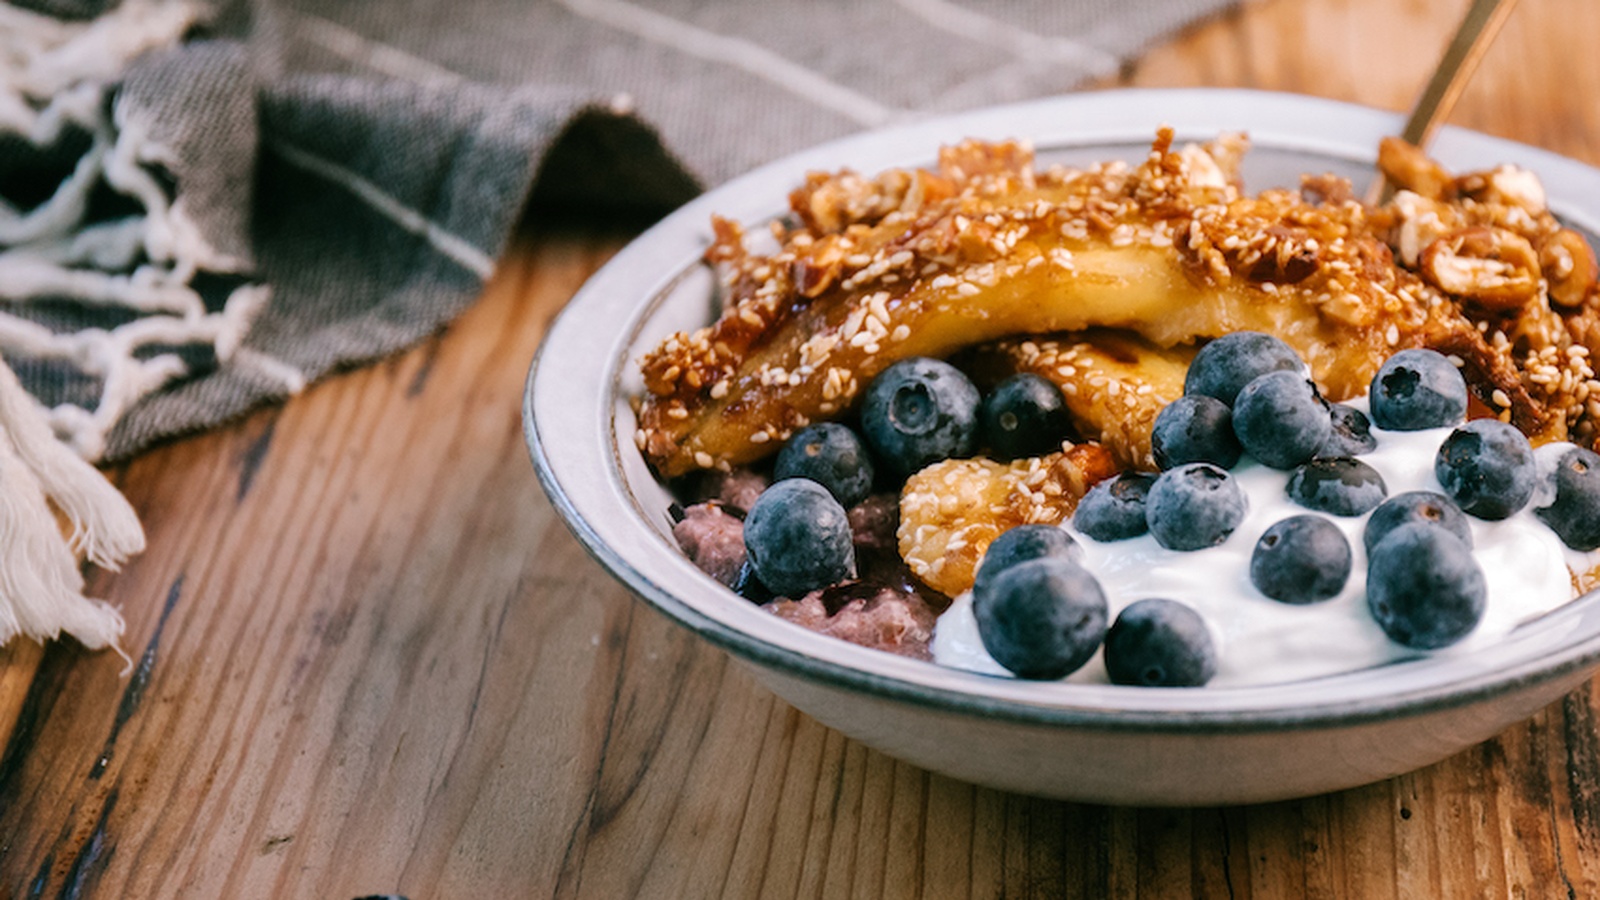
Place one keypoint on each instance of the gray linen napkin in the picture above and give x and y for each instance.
(211, 207)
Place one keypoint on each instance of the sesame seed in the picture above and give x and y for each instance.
(878, 304)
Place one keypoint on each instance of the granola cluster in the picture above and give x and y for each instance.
(1489, 244)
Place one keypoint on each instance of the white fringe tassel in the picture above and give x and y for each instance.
(51, 74)
(41, 587)
(104, 526)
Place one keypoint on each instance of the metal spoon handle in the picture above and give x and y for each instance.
(1478, 29)
(1461, 57)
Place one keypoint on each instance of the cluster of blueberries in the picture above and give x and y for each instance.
(916, 412)
(1042, 616)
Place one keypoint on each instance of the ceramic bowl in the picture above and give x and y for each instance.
(1098, 743)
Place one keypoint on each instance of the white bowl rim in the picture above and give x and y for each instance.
(569, 428)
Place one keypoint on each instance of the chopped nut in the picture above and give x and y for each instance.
(1569, 267)
(1506, 185)
(1408, 167)
(1495, 267)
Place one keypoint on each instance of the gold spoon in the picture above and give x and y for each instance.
(1478, 29)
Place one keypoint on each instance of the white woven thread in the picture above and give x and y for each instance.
(54, 74)
(41, 589)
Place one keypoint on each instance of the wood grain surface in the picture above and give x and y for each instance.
(371, 660)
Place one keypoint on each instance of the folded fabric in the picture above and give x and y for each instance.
(188, 229)
(223, 238)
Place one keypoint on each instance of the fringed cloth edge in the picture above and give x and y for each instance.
(41, 584)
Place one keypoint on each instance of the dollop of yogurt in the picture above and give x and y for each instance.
(1262, 641)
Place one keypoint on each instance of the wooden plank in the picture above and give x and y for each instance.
(19, 660)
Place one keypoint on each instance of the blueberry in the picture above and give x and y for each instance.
(1023, 416)
(1575, 514)
(1418, 389)
(1042, 619)
(1424, 588)
(1223, 367)
(1340, 487)
(1160, 643)
(1021, 544)
(1301, 559)
(1424, 507)
(1487, 468)
(797, 538)
(920, 411)
(1281, 420)
(1351, 435)
(1194, 506)
(1114, 510)
(1195, 428)
(831, 455)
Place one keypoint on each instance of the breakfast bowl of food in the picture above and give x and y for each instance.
(1110, 447)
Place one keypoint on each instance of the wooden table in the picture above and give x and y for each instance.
(372, 660)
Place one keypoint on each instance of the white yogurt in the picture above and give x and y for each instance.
(1263, 641)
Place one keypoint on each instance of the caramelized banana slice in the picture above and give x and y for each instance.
(951, 511)
(928, 263)
(1114, 383)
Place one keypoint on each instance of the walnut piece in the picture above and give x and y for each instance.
(1492, 266)
(1569, 268)
(1409, 168)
